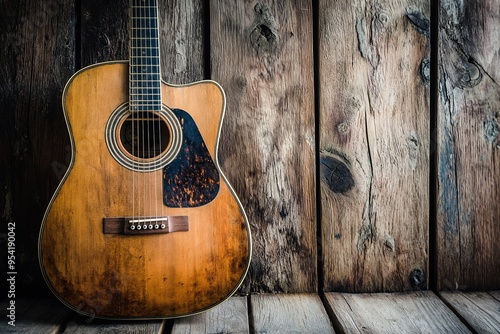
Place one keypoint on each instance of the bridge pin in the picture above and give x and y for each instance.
(162, 226)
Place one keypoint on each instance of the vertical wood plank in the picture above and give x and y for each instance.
(183, 40)
(374, 138)
(104, 35)
(103, 31)
(261, 53)
(468, 180)
(37, 57)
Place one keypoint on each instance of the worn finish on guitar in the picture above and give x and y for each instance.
(137, 276)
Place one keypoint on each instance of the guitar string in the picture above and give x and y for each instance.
(145, 124)
(138, 63)
(157, 78)
(140, 108)
(131, 101)
(151, 68)
(145, 120)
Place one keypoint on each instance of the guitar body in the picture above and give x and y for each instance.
(89, 262)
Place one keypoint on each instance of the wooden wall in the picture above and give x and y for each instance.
(364, 145)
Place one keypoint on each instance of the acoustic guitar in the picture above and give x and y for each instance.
(144, 224)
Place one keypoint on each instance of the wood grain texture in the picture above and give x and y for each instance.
(89, 326)
(183, 42)
(289, 313)
(468, 180)
(104, 36)
(230, 317)
(36, 59)
(374, 139)
(481, 310)
(34, 316)
(261, 53)
(164, 275)
(415, 312)
(103, 31)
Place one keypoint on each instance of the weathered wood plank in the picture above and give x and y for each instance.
(88, 326)
(183, 43)
(229, 317)
(374, 139)
(479, 309)
(415, 312)
(468, 141)
(33, 316)
(104, 36)
(289, 313)
(103, 31)
(262, 55)
(495, 294)
(36, 60)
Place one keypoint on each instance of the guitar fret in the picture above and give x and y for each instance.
(149, 62)
(136, 82)
(145, 91)
(142, 94)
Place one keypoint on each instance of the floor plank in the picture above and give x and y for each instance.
(495, 294)
(229, 317)
(81, 325)
(289, 313)
(415, 312)
(33, 316)
(481, 310)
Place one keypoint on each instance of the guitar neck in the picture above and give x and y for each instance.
(144, 54)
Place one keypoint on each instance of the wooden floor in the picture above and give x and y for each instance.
(416, 312)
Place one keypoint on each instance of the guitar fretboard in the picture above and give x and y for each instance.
(144, 54)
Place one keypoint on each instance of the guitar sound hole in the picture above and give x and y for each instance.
(143, 141)
(145, 135)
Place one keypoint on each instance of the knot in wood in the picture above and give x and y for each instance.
(336, 174)
(383, 18)
(420, 22)
(417, 279)
(343, 127)
(425, 70)
(491, 130)
(469, 74)
(264, 37)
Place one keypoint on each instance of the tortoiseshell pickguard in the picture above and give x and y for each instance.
(192, 178)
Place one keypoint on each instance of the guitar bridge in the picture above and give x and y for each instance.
(145, 225)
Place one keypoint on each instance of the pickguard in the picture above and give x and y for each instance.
(192, 178)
